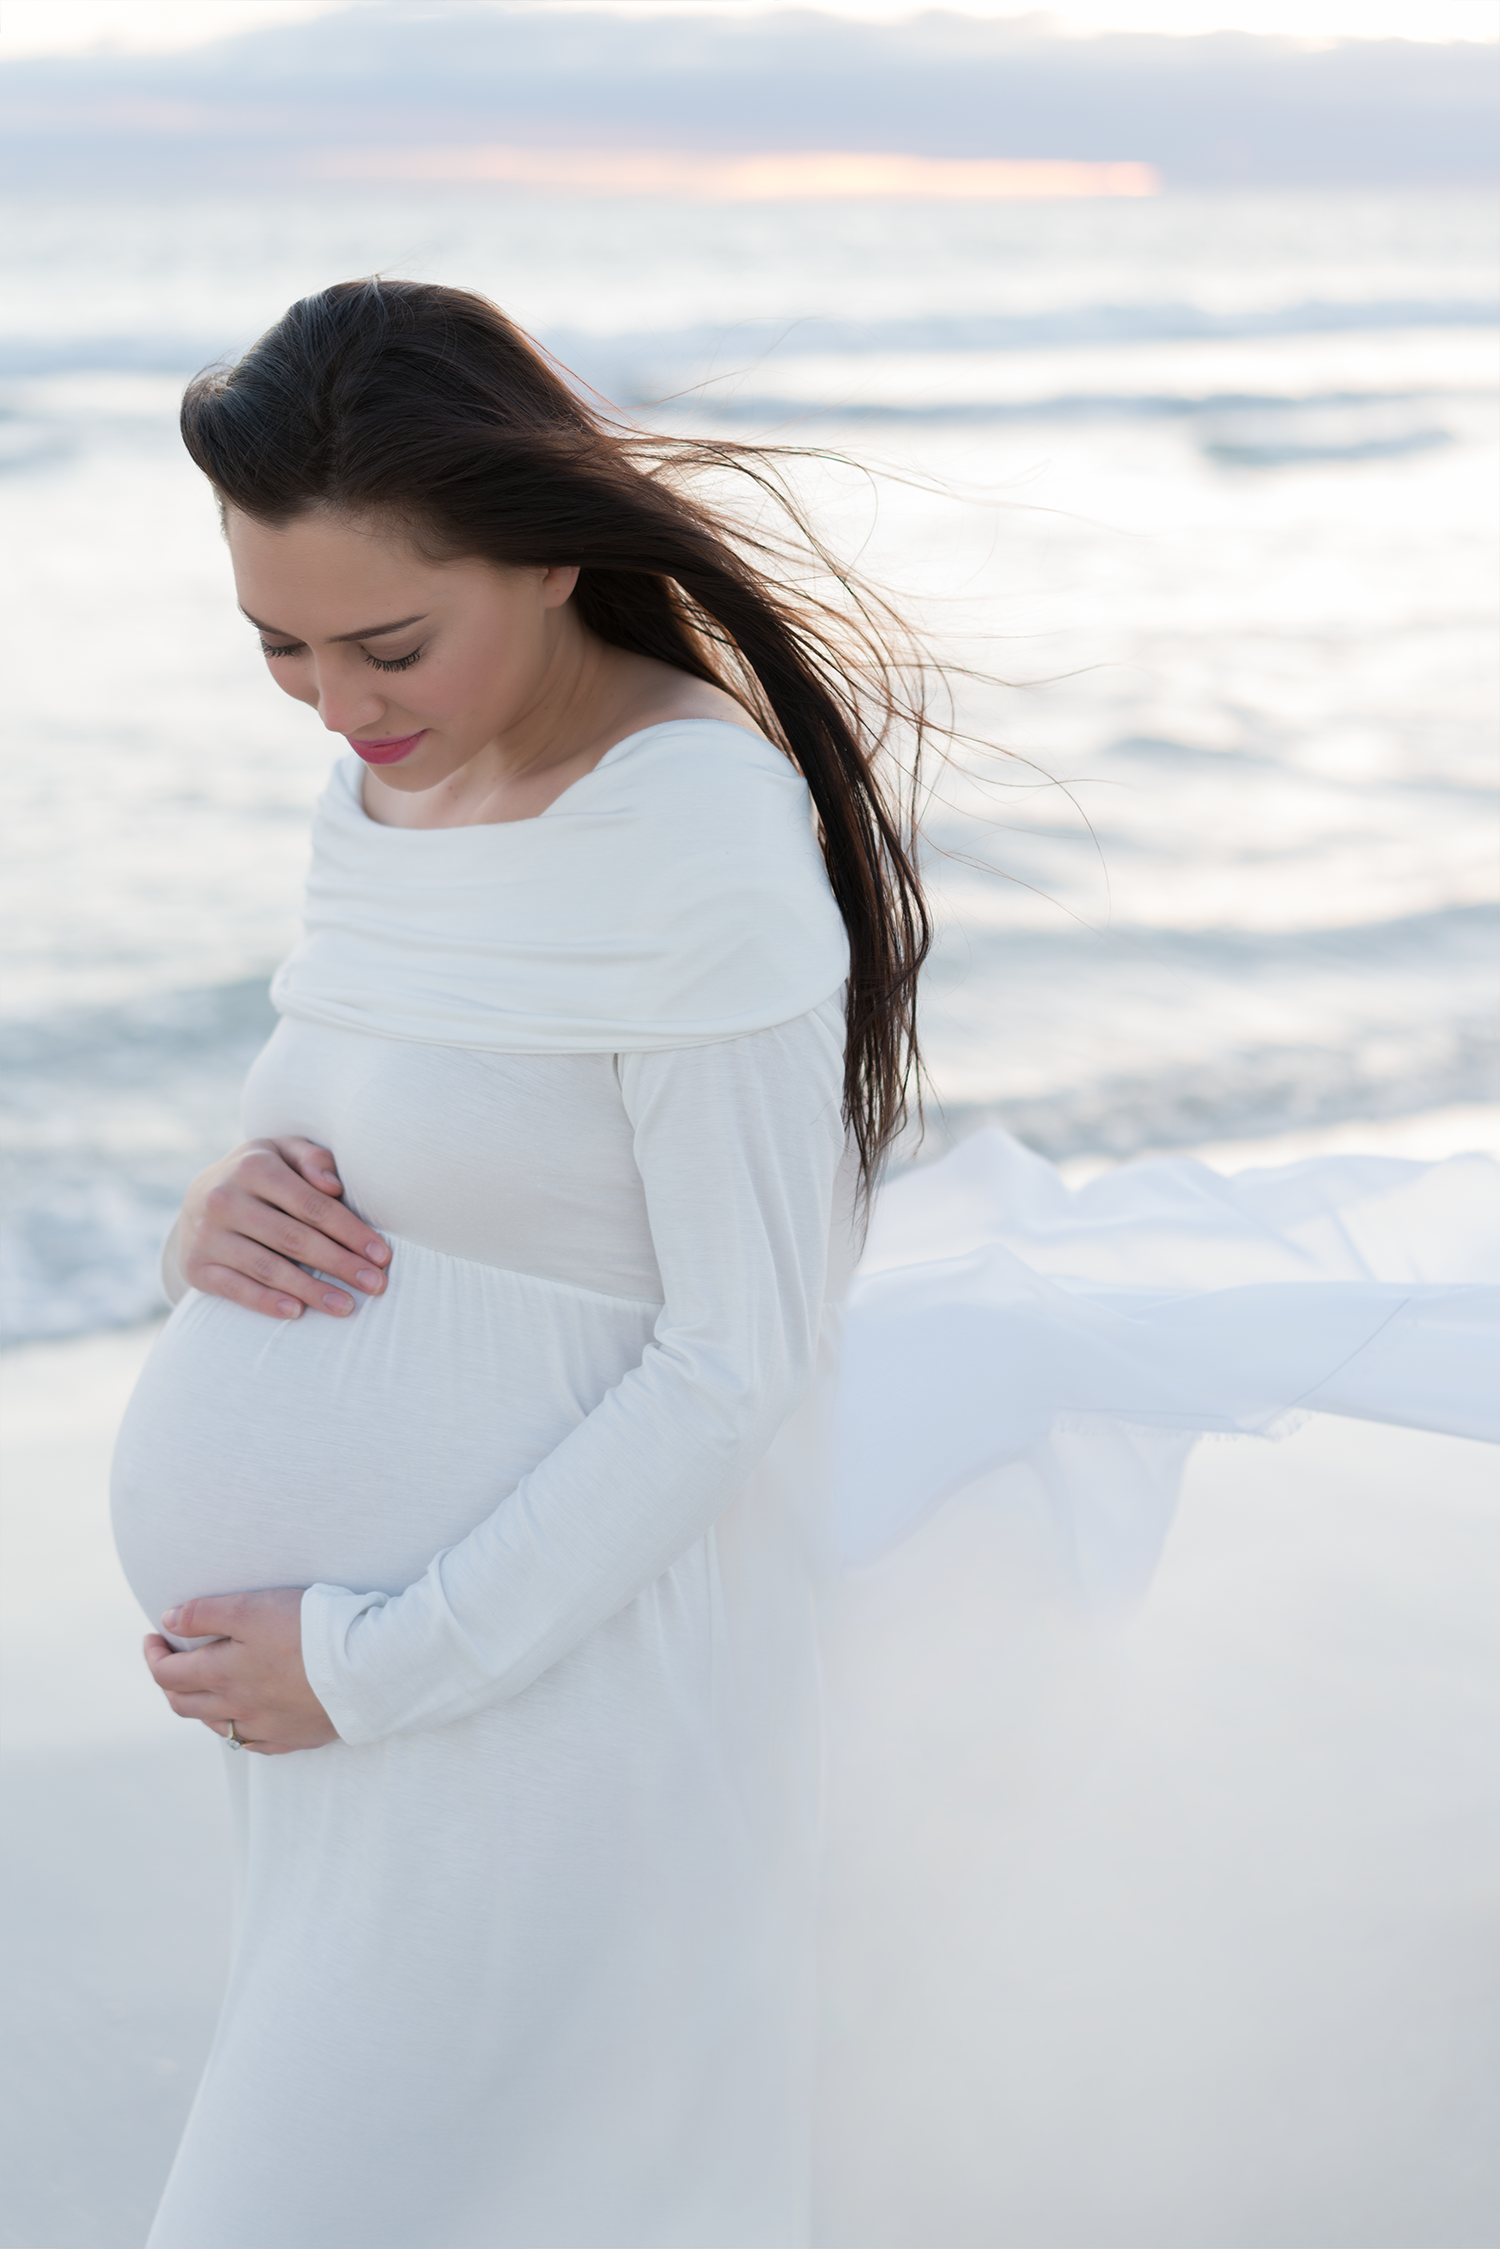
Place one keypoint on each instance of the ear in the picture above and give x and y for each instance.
(558, 581)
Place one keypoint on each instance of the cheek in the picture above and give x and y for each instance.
(294, 680)
(462, 686)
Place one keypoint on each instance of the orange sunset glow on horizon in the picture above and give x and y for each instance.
(778, 176)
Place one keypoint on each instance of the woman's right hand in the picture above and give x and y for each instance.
(248, 1225)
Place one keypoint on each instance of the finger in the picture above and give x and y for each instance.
(158, 1652)
(292, 1221)
(219, 1615)
(247, 1273)
(175, 1667)
(219, 1728)
(302, 1244)
(258, 1182)
(207, 1709)
(266, 1176)
(222, 1280)
(315, 1164)
(179, 1681)
(256, 1748)
(223, 1239)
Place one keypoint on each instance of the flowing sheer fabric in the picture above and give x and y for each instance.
(998, 1317)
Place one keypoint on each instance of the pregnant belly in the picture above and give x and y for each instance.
(258, 1452)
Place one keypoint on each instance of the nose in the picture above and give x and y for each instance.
(347, 705)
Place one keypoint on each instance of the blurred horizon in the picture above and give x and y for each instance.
(385, 83)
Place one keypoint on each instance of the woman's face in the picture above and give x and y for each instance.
(422, 666)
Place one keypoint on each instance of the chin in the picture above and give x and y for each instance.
(416, 772)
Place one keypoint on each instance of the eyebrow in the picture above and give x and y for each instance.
(369, 632)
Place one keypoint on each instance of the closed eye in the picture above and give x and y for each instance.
(381, 663)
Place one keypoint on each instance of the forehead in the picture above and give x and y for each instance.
(325, 577)
(322, 550)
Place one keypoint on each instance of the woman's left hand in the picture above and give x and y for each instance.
(251, 1674)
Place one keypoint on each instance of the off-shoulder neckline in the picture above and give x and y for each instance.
(352, 773)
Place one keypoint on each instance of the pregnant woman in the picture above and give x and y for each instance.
(478, 1476)
(470, 1475)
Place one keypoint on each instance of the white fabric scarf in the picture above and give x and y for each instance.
(1079, 1343)
(673, 897)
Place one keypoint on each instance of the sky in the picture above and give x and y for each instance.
(56, 27)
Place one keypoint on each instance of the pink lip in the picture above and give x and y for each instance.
(389, 752)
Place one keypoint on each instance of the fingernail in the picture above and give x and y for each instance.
(378, 1251)
(171, 1620)
(368, 1279)
(338, 1303)
(288, 1307)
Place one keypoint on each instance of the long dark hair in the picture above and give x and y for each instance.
(427, 406)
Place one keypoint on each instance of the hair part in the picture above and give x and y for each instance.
(423, 405)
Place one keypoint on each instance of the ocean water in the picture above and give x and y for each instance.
(1197, 492)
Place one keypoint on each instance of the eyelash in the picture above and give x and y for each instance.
(381, 663)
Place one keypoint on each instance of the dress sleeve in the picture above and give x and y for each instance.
(739, 1146)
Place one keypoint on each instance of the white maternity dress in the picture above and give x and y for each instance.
(522, 1958)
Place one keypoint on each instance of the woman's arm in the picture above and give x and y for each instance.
(738, 1146)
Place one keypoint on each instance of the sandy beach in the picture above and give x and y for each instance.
(1174, 1938)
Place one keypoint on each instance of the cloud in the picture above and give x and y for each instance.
(304, 99)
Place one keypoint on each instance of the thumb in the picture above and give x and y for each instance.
(212, 1617)
(315, 1164)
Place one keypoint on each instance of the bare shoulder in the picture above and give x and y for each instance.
(665, 695)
